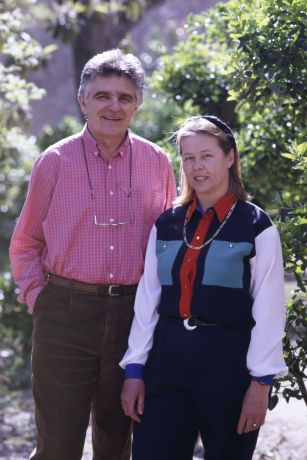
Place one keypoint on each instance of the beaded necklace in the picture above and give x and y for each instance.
(210, 239)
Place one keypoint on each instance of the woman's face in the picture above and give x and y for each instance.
(206, 166)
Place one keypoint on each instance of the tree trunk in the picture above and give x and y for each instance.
(100, 33)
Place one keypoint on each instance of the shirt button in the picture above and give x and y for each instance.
(111, 193)
(111, 220)
(111, 275)
(198, 237)
(189, 260)
(111, 247)
(109, 167)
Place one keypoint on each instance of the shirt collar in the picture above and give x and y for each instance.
(91, 144)
(221, 207)
(89, 141)
(123, 148)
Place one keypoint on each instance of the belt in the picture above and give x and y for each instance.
(105, 290)
(192, 323)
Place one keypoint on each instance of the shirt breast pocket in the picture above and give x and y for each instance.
(224, 264)
(166, 255)
(149, 205)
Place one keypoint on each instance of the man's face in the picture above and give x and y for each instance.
(109, 104)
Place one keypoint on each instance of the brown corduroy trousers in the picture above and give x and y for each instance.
(78, 340)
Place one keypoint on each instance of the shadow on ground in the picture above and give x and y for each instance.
(283, 436)
(17, 425)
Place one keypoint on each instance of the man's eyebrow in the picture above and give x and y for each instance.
(98, 93)
(106, 93)
(127, 95)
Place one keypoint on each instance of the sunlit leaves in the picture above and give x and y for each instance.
(67, 18)
(270, 52)
(252, 55)
(20, 55)
(64, 19)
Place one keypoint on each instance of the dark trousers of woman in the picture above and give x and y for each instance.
(78, 341)
(195, 382)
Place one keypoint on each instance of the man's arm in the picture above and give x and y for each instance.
(28, 242)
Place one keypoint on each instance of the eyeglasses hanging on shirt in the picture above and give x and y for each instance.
(128, 193)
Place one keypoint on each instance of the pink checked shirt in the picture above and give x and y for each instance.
(56, 231)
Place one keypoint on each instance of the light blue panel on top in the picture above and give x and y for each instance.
(166, 254)
(224, 263)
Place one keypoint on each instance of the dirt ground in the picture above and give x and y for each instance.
(283, 437)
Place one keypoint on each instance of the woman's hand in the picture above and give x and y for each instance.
(132, 398)
(254, 407)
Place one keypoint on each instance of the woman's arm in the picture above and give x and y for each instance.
(265, 354)
(141, 334)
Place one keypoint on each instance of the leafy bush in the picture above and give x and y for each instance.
(246, 62)
(15, 322)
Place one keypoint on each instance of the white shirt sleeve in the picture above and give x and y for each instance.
(145, 308)
(265, 353)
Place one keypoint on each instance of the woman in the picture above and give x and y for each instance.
(209, 312)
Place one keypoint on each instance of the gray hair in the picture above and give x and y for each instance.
(114, 62)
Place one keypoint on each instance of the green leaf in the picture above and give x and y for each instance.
(273, 401)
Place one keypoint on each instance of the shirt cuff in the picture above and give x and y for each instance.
(266, 379)
(134, 371)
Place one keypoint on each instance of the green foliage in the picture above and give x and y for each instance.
(15, 322)
(243, 61)
(293, 232)
(20, 55)
(268, 72)
(66, 18)
(67, 126)
(246, 62)
(156, 121)
(15, 337)
(268, 69)
(194, 74)
(270, 53)
(226, 68)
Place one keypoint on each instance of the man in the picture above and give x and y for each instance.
(77, 254)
